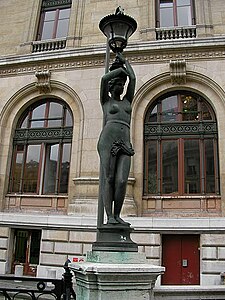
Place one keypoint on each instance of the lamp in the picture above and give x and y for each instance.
(118, 28)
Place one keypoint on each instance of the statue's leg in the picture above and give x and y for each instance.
(121, 178)
(108, 169)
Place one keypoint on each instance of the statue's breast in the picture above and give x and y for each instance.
(114, 108)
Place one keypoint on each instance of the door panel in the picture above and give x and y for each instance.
(180, 256)
(26, 250)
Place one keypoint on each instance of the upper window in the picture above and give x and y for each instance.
(42, 144)
(181, 154)
(54, 20)
(172, 13)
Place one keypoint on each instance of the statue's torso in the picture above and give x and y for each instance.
(117, 110)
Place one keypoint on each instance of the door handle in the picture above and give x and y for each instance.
(184, 263)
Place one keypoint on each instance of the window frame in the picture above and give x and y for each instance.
(160, 131)
(175, 14)
(48, 6)
(44, 137)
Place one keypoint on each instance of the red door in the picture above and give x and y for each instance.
(180, 257)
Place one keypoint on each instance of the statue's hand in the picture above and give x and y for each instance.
(121, 57)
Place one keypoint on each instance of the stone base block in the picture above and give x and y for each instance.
(114, 238)
(126, 280)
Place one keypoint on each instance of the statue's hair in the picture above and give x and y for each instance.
(112, 82)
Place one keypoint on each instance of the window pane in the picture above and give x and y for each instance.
(151, 168)
(190, 108)
(183, 2)
(62, 28)
(38, 114)
(184, 16)
(31, 169)
(170, 109)
(17, 171)
(21, 237)
(166, 17)
(166, 3)
(47, 32)
(64, 13)
(191, 166)
(55, 111)
(50, 15)
(169, 167)
(64, 176)
(206, 115)
(209, 166)
(24, 123)
(37, 124)
(35, 247)
(50, 174)
(69, 120)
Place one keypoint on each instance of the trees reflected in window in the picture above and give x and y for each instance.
(41, 162)
(181, 154)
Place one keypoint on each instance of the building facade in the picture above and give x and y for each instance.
(52, 58)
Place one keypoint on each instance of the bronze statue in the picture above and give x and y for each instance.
(114, 147)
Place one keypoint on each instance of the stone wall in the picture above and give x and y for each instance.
(70, 237)
(19, 22)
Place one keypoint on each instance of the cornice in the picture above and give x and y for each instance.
(92, 57)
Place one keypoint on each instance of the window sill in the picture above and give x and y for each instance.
(24, 202)
(191, 205)
(176, 196)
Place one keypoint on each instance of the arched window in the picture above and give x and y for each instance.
(42, 145)
(181, 155)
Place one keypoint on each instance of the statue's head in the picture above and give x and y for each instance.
(120, 80)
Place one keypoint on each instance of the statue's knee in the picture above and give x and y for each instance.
(110, 180)
(121, 183)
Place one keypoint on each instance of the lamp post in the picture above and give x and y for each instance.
(117, 28)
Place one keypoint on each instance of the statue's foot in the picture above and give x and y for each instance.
(112, 220)
(121, 221)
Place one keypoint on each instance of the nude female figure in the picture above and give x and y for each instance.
(114, 147)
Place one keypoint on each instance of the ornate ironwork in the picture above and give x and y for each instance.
(43, 134)
(53, 3)
(165, 129)
(13, 287)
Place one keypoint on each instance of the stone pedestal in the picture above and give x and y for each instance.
(114, 238)
(115, 275)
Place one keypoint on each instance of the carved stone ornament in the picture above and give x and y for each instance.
(43, 83)
(178, 71)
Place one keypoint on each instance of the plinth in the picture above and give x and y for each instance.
(114, 238)
(115, 275)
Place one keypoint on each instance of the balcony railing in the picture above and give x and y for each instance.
(169, 33)
(48, 45)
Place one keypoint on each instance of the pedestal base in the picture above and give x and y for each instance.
(131, 277)
(114, 238)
